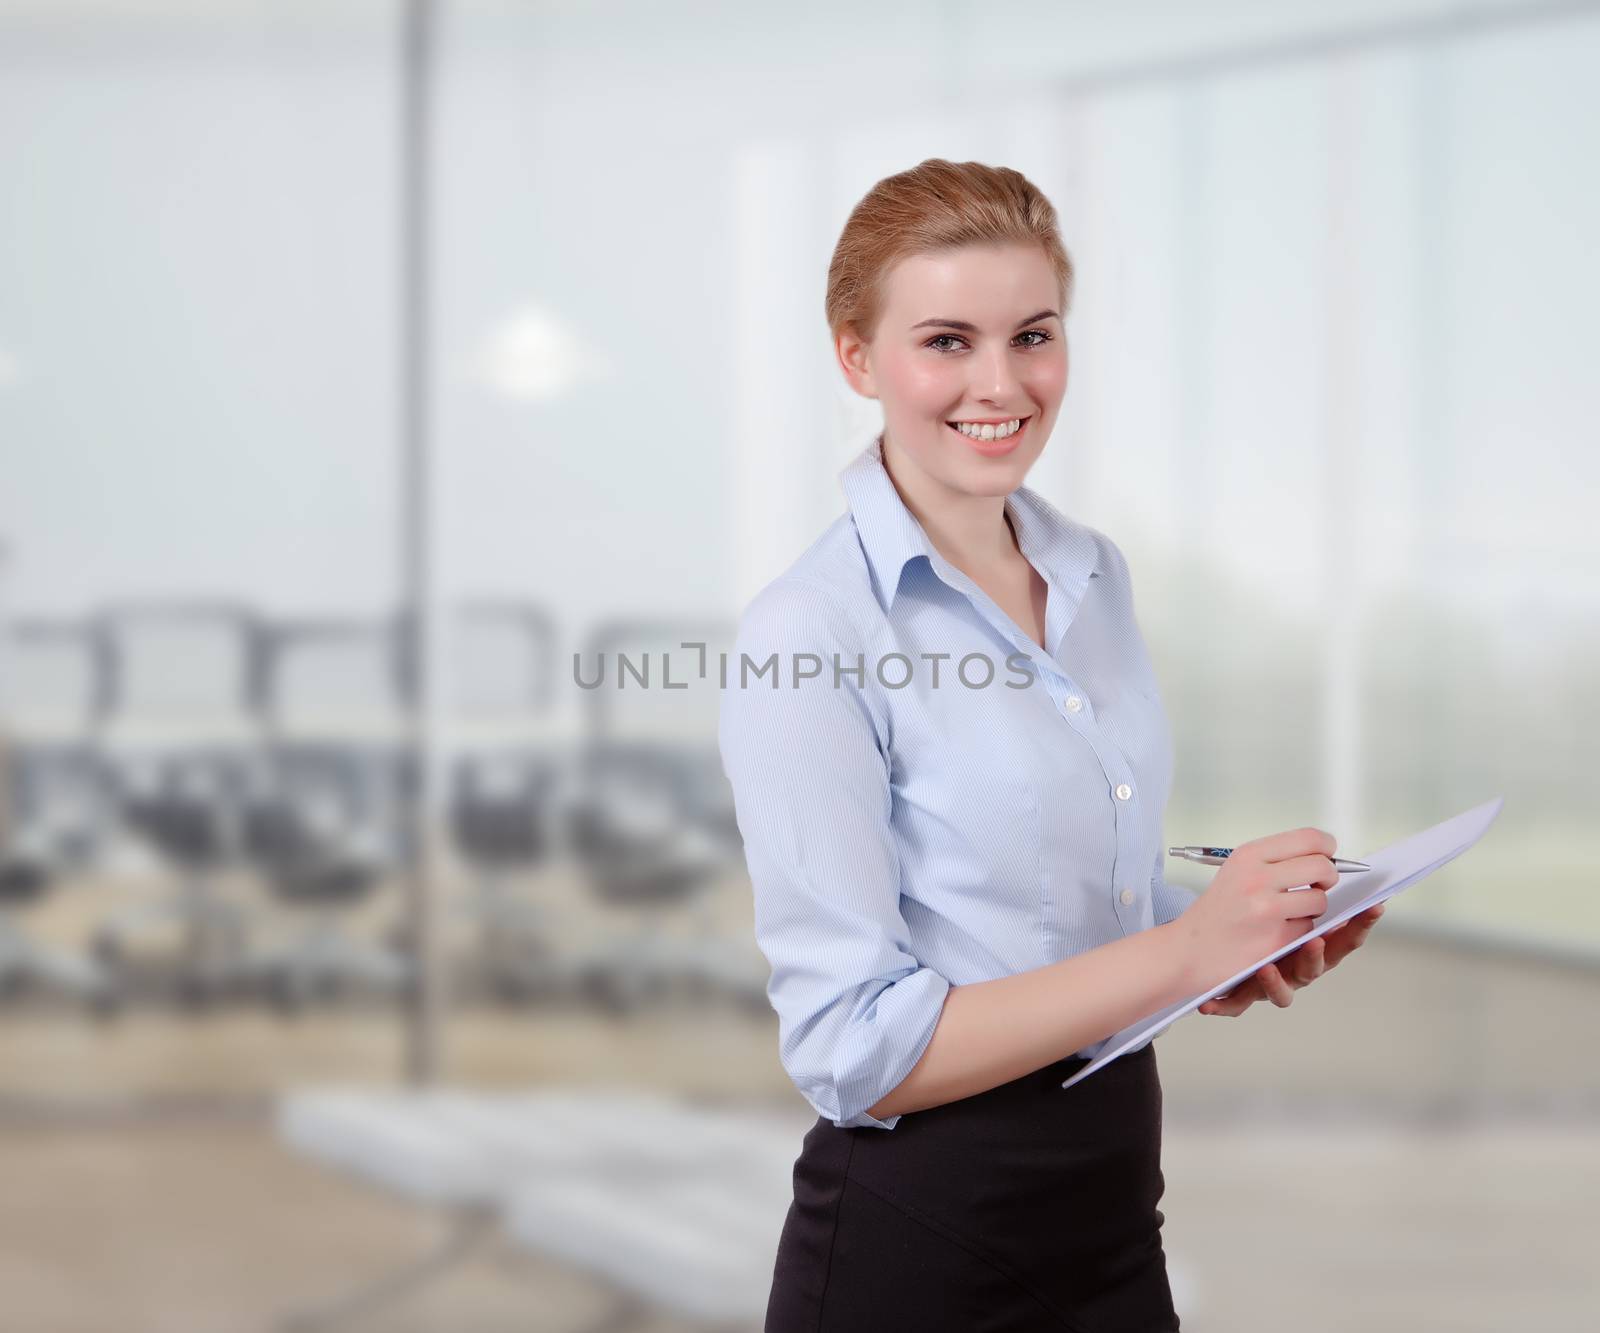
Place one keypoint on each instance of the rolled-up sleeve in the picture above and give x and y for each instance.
(810, 778)
(1167, 901)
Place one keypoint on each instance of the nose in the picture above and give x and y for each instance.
(995, 378)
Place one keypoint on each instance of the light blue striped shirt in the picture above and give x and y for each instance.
(909, 827)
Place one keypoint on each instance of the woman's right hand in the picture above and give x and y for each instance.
(1255, 905)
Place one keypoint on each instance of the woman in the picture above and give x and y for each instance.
(950, 764)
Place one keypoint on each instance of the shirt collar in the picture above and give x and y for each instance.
(1064, 552)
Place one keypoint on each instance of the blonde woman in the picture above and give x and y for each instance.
(950, 764)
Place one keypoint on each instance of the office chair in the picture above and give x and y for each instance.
(178, 740)
(320, 822)
(32, 862)
(652, 822)
(51, 813)
(506, 770)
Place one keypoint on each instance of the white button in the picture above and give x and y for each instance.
(1074, 704)
(1124, 791)
(1127, 897)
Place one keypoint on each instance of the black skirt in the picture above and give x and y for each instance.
(1026, 1207)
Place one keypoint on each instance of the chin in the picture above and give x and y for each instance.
(993, 475)
(990, 479)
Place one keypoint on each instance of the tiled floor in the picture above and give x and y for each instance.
(203, 1224)
(142, 1189)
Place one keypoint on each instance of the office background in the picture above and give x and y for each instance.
(362, 364)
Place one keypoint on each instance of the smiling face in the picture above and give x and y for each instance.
(970, 335)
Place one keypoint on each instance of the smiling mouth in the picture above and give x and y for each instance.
(1002, 444)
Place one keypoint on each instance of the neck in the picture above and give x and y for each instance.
(970, 531)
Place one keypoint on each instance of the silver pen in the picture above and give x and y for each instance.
(1215, 856)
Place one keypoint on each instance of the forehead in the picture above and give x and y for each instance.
(972, 281)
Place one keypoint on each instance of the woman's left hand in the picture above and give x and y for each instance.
(1280, 980)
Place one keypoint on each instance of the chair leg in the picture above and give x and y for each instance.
(21, 959)
(468, 1230)
(323, 953)
(68, 972)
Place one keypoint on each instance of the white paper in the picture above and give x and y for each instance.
(1394, 869)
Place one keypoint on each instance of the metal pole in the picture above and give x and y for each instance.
(5, 712)
(424, 1028)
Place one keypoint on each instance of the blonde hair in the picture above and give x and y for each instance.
(936, 205)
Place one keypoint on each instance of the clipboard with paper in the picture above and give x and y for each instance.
(1393, 870)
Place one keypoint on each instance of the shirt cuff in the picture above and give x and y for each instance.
(881, 1049)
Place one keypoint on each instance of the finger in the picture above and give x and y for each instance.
(1301, 871)
(1295, 842)
(1279, 991)
(1298, 901)
(1351, 935)
(1317, 951)
(1234, 1002)
(1309, 962)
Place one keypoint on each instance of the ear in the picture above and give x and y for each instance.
(851, 353)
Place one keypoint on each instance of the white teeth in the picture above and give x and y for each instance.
(999, 432)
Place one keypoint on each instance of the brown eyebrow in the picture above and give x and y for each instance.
(973, 328)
